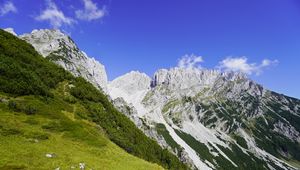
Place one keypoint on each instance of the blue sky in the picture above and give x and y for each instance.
(258, 37)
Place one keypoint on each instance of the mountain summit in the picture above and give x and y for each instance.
(61, 49)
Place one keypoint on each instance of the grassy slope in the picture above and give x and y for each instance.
(66, 106)
(26, 139)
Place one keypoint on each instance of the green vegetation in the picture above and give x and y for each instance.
(147, 97)
(170, 105)
(293, 119)
(161, 130)
(60, 110)
(210, 121)
(241, 141)
(242, 160)
(275, 143)
(54, 57)
(26, 139)
(23, 71)
(199, 147)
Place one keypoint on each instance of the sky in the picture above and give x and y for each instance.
(260, 38)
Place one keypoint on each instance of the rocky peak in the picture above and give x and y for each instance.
(61, 49)
(46, 41)
(181, 78)
(132, 82)
(234, 76)
(10, 30)
(184, 78)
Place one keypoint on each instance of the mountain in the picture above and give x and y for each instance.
(50, 119)
(221, 120)
(207, 118)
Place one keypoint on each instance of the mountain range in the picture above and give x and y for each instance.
(208, 119)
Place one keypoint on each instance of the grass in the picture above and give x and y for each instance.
(25, 141)
(67, 153)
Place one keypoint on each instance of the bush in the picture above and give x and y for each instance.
(70, 99)
(12, 105)
(30, 110)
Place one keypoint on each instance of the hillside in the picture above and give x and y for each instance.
(51, 119)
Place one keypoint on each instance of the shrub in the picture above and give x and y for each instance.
(30, 110)
(12, 105)
(70, 99)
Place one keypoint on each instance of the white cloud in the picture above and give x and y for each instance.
(267, 62)
(240, 64)
(190, 61)
(7, 7)
(55, 16)
(90, 11)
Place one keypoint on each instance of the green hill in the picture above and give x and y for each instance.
(50, 119)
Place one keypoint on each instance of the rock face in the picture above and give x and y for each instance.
(61, 49)
(178, 78)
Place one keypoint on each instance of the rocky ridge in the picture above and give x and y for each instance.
(215, 108)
